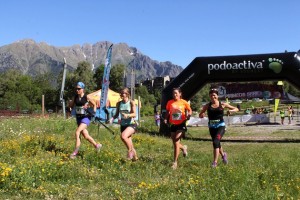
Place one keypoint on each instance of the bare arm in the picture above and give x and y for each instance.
(166, 117)
(203, 110)
(133, 109)
(71, 103)
(117, 111)
(93, 103)
(230, 107)
(189, 112)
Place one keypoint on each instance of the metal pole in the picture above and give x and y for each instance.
(43, 105)
(132, 86)
(62, 101)
(139, 111)
(124, 79)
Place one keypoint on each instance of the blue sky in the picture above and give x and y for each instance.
(165, 30)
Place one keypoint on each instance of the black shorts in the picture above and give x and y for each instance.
(134, 126)
(178, 127)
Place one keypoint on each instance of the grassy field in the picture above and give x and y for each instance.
(35, 164)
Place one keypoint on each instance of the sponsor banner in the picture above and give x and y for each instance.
(248, 91)
(276, 106)
(246, 66)
(105, 85)
(256, 118)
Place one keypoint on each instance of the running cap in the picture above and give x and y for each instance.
(81, 85)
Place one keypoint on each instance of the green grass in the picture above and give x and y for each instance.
(35, 164)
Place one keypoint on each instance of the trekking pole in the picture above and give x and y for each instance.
(99, 122)
(107, 128)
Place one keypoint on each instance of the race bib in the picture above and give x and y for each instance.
(214, 122)
(176, 116)
(80, 110)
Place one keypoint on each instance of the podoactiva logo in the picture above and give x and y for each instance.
(274, 64)
(225, 66)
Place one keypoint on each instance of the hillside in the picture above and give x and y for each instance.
(33, 58)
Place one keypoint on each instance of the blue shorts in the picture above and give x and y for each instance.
(85, 120)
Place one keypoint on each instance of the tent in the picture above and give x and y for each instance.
(112, 96)
(112, 99)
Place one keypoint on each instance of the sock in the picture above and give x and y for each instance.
(76, 151)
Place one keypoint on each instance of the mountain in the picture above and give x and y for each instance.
(34, 58)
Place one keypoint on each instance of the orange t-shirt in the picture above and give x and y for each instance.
(177, 110)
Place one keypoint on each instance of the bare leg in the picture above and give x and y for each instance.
(79, 129)
(216, 154)
(86, 135)
(126, 137)
(176, 144)
(221, 151)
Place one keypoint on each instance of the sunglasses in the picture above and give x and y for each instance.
(78, 89)
(122, 93)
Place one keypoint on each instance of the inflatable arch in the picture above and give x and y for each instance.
(237, 68)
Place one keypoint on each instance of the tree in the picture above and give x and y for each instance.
(20, 91)
(8, 81)
(45, 87)
(196, 102)
(84, 74)
(157, 95)
(148, 100)
(115, 79)
(16, 101)
(98, 76)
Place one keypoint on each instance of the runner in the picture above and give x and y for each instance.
(216, 124)
(282, 116)
(177, 117)
(290, 114)
(81, 103)
(127, 111)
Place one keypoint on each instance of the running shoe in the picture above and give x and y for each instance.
(174, 166)
(135, 158)
(214, 164)
(130, 155)
(184, 151)
(98, 147)
(73, 155)
(224, 158)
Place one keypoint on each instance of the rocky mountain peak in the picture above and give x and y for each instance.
(33, 58)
